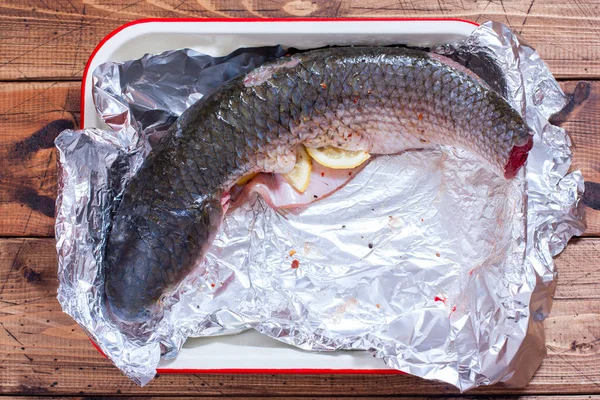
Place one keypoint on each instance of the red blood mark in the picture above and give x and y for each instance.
(349, 173)
(322, 173)
(437, 298)
(212, 285)
(377, 305)
(355, 100)
(420, 117)
(437, 254)
(453, 308)
(324, 86)
(295, 264)
(225, 202)
(518, 156)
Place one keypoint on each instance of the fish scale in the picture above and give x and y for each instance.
(378, 99)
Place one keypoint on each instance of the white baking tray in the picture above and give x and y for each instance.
(251, 352)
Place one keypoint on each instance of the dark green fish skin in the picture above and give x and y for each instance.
(382, 100)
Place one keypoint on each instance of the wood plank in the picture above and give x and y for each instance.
(584, 128)
(547, 397)
(543, 397)
(52, 39)
(43, 351)
(32, 114)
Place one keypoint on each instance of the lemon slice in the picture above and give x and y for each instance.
(299, 177)
(332, 157)
(246, 178)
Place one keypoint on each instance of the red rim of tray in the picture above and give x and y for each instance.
(150, 20)
(251, 370)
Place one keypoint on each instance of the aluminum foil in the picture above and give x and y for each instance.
(426, 259)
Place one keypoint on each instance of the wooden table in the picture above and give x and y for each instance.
(44, 46)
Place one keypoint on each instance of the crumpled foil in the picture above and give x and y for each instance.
(425, 259)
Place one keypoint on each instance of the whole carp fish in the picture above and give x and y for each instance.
(381, 100)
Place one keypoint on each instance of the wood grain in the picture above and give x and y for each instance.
(43, 351)
(558, 397)
(32, 114)
(53, 39)
(584, 128)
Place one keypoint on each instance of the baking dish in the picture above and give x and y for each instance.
(251, 352)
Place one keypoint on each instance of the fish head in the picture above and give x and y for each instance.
(133, 295)
(150, 253)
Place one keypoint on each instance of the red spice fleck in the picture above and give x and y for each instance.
(292, 252)
(422, 220)
(349, 135)
(437, 298)
(377, 305)
(437, 254)
(369, 91)
(349, 173)
(212, 285)
(295, 264)
(323, 85)
(355, 100)
(322, 173)
(420, 117)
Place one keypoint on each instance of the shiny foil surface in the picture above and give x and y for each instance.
(425, 259)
